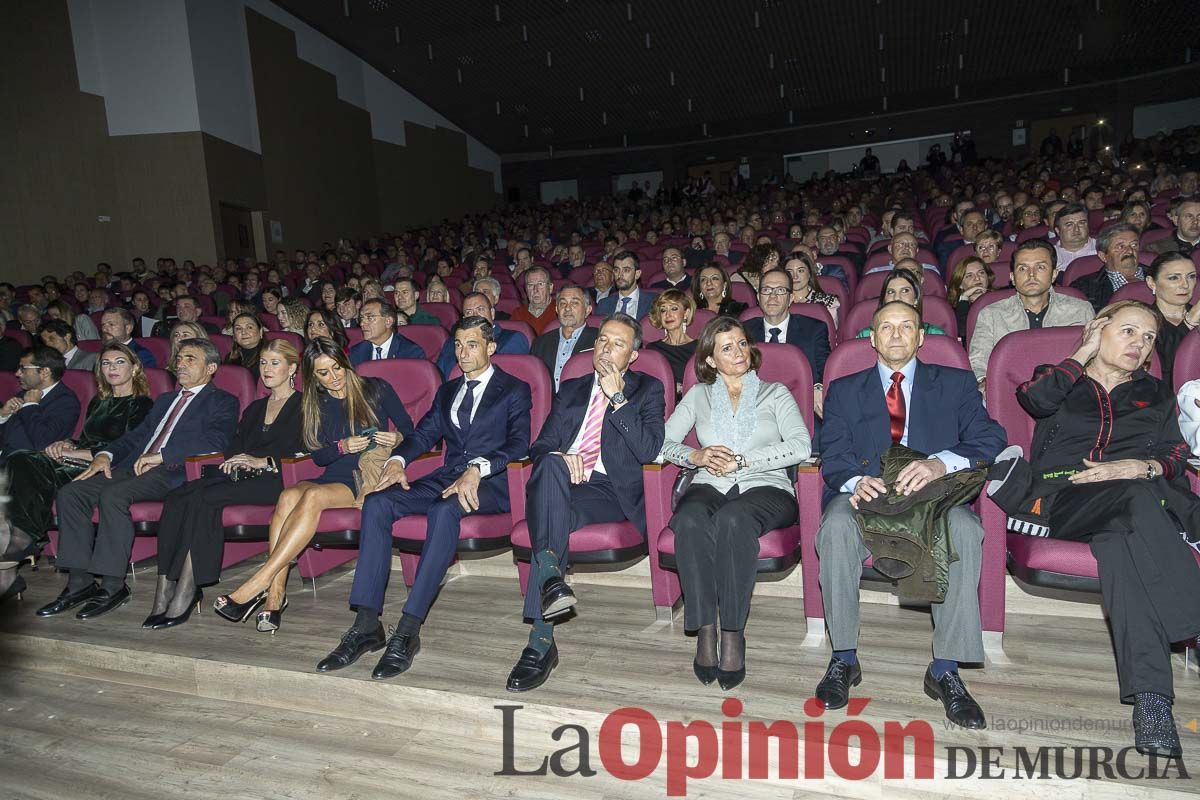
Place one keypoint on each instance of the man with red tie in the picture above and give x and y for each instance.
(931, 409)
(587, 468)
(144, 464)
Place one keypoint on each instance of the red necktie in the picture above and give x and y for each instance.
(895, 407)
(159, 440)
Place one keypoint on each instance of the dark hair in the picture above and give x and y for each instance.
(484, 295)
(396, 284)
(347, 293)
(1155, 267)
(45, 357)
(785, 274)
(696, 293)
(756, 259)
(386, 309)
(486, 329)
(59, 327)
(334, 325)
(637, 262)
(1037, 244)
(359, 393)
(954, 289)
(630, 322)
(1069, 208)
(235, 354)
(707, 341)
(913, 280)
(141, 387)
(124, 314)
(211, 354)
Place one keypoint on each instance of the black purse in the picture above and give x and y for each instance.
(683, 482)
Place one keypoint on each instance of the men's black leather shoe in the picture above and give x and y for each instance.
(557, 598)
(961, 708)
(352, 646)
(532, 669)
(103, 603)
(67, 600)
(402, 648)
(834, 689)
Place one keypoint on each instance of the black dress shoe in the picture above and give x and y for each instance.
(961, 708)
(67, 600)
(1154, 727)
(352, 646)
(103, 603)
(532, 669)
(834, 689)
(705, 675)
(171, 622)
(153, 620)
(14, 590)
(557, 598)
(402, 648)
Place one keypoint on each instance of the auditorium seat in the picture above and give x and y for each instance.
(815, 311)
(517, 326)
(446, 313)
(1036, 232)
(834, 286)
(936, 312)
(1084, 265)
(743, 293)
(1187, 361)
(238, 381)
(429, 338)
(296, 340)
(653, 334)
(224, 344)
(160, 381)
(871, 285)
(159, 347)
(83, 383)
(9, 386)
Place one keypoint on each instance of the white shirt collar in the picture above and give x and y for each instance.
(67, 356)
(783, 328)
(484, 378)
(386, 346)
(195, 390)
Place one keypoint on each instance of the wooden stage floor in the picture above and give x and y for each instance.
(104, 709)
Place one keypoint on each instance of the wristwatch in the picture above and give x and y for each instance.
(740, 460)
(1150, 473)
(617, 399)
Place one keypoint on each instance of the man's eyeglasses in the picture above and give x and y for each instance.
(369, 317)
(778, 291)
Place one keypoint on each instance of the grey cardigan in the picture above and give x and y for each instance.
(780, 438)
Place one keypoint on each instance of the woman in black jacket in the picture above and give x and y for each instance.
(191, 539)
(1111, 465)
(711, 292)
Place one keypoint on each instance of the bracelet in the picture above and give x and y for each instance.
(341, 447)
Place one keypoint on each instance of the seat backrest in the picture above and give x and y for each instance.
(816, 311)
(446, 313)
(223, 342)
(83, 383)
(1084, 265)
(161, 381)
(532, 371)
(871, 285)
(9, 386)
(938, 312)
(517, 326)
(415, 381)
(781, 363)
(855, 355)
(743, 293)
(1036, 232)
(649, 362)
(1187, 361)
(159, 347)
(833, 286)
(296, 339)
(430, 338)
(238, 381)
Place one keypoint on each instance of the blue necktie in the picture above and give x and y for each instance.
(775, 334)
(464, 409)
(625, 304)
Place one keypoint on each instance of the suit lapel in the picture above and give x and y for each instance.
(924, 405)
(875, 406)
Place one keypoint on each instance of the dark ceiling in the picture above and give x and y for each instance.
(675, 70)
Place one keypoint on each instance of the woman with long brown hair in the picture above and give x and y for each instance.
(344, 419)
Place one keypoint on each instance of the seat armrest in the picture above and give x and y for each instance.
(194, 463)
(518, 473)
(657, 482)
(425, 463)
(301, 467)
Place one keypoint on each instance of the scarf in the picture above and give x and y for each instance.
(735, 429)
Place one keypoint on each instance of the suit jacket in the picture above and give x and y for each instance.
(207, 425)
(1008, 315)
(945, 413)
(40, 424)
(545, 346)
(507, 342)
(401, 347)
(632, 435)
(1097, 287)
(684, 285)
(499, 432)
(1172, 244)
(804, 332)
(608, 305)
(83, 360)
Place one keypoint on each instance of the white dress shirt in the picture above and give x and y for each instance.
(383, 349)
(633, 298)
(195, 390)
(783, 329)
(484, 378)
(575, 445)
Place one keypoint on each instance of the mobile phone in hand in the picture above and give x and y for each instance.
(369, 433)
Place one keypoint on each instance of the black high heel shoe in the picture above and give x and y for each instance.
(706, 675)
(171, 622)
(14, 590)
(731, 679)
(238, 612)
(269, 621)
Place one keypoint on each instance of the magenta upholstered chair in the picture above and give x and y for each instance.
(238, 381)
(159, 347)
(617, 542)
(83, 383)
(1084, 265)
(446, 313)
(429, 338)
(160, 381)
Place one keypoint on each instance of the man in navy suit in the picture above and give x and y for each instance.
(931, 409)
(483, 418)
(628, 297)
(587, 468)
(778, 325)
(144, 464)
(377, 318)
(45, 411)
(117, 324)
(478, 304)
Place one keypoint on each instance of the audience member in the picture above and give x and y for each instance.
(556, 346)
(477, 304)
(381, 340)
(1117, 247)
(672, 313)
(43, 410)
(58, 334)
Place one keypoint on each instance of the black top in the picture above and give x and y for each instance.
(281, 439)
(1036, 319)
(961, 310)
(108, 420)
(677, 355)
(1170, 336)
(247, 357)
(728, 308)
(334, 427)
(1078, 419)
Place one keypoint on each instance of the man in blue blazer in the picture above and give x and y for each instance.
(381, 340)
(118, 324)
(931, 409)
(627, 296)
(587, 468)
(483, 418)
(778, 325)
(478, 304)
(144, 464)
(45, 411)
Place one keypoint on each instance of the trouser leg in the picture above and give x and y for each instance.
(76, 533)
(842, 552)
(114, 537)
(957, 629)
(379, 511)
(696, 554)
(737, 525)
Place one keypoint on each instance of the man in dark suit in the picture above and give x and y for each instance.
(483, 418)
(44, 411)
(58, 334)
(144, 464)
(674, 275)
(778, 325)
(478, 304)
(380, 338)
(628, 297)
(117, 325)
(931, 409)
(587, 468)
(555, 347)
(187, 309)
(1117, 247)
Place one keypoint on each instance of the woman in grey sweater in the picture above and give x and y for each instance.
(749, 431)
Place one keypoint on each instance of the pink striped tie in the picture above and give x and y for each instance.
(593, 424)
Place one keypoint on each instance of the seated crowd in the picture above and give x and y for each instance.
(242, 366)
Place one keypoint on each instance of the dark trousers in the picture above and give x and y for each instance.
(104, 550)
(716, 549)
(1148, 575)
(191, 522)
(381, 509)
(555, 507)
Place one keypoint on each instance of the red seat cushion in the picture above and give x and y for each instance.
(148, 511)
(589, 538)
(247, 515)
(339, 519)
(475, 526)
(1053, 555)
